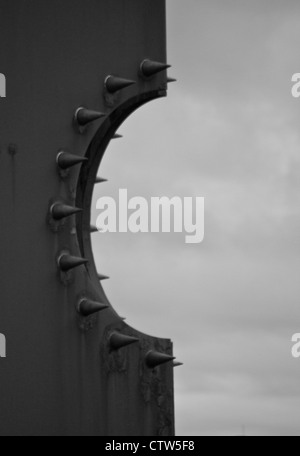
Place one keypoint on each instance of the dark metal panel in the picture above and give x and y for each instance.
(60, 376)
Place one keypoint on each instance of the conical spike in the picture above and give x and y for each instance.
(150, 68)
(114, 84)
(102, 277)
(118, 340)
(154, 359)
(117, 136)
(93, 229)
(86, 307)
(66, 160)
(177, 364)
(100, 180)
(85, 116)
(170, 80)
(67, 262)
(60, 211)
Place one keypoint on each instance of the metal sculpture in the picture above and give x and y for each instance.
(74, 71)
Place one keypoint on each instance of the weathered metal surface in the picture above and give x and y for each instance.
(70, 371)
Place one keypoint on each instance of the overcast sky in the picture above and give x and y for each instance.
(230, 132)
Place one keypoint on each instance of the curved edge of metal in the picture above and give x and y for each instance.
(85, 188)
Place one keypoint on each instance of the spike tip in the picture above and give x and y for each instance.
(150, 68)
(100, 180)
(118, 340)
(87, 307)
(85, 116)
(155, 359)
(67, 262)
(65, 160)
(102, 277)
(114, 84)
(60, 211)
(93, 229)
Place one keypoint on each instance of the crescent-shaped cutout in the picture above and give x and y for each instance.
(89, 172)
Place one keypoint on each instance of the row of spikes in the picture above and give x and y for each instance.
(87, 307)
(84, 116)
(118, 340)
(65, 160)
(153, 358)
(60, 211)
(115, 84)
(67, 262)
(148, 68)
